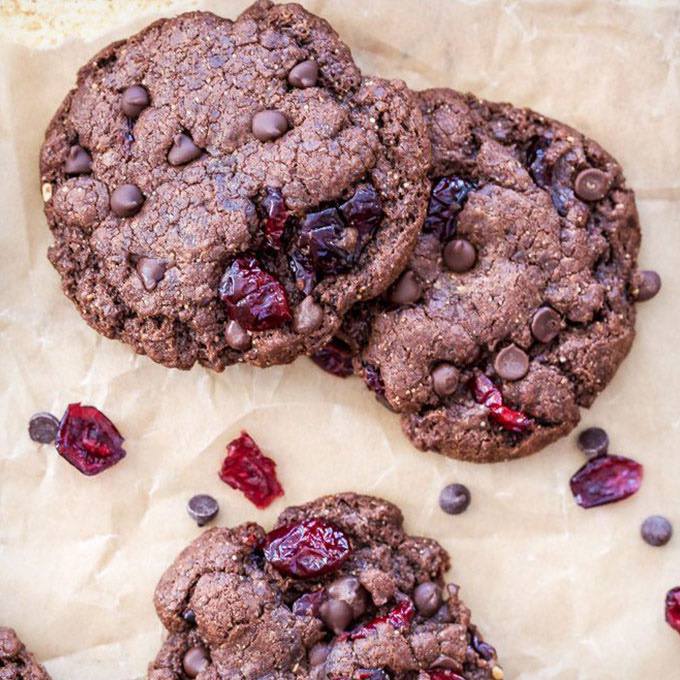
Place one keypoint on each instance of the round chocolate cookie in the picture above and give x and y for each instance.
(336, 590)
(15, 662)
(525, 273)
(223, 191)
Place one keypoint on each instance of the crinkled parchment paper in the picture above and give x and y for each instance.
(562, 592)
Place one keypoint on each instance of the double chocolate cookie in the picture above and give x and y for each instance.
(15, 662)
(518, 304)
(223, 191)
(336, 590)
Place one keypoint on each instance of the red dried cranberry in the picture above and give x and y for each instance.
(535, 161)
(89, 440)
(309, 603)
(308, 549)
(606, 479)
(447, 199)
(486, 393)
(302, 271)
(373, 379)
(335, 358)
(363, 212)
(245, 468)
(370, 674)
(673, 608)
(253, 297)
(327, 243)
(443, 674)
(276, 214)
(399, 617)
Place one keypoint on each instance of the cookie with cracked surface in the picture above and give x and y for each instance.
(222, 191)
(16, 663)
(336, 590)
(525, 281)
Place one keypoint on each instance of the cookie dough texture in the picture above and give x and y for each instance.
(206, 78)
(16, 663)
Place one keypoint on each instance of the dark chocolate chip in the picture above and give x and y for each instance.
(42, 428)
(127, 200)
(459, 255)
(183, 150)
(591, 184)
(511, 363)
(269, 125)
(189, 616)
(349, 589)
(304, 74)
(195, 661)
(546, 324)
(656, 530)
(593, 441)
(454, 499)
(336, 614)
(151, 271)
(308, 316)
(78, 161)
(406, 290)
(202, 508)
(318, 654)
(427, 598)
(237, 337)
(134, 100)
(445, 379)
(649, 286)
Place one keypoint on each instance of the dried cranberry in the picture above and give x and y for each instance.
(371, 674)
(373, 379)
(486, 393)
(89, 440)
(335, 358)
(606, 479)
(253, 297)
(443, 674)
(363, 212)
(535, 161)
(673, 608)
(302, 271)
(327, 243)
(399, 617)
(485, 650)
(245, 468)
(308, 549)
(447, 199)
(309, 603)
(276, 215)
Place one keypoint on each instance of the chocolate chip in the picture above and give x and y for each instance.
(336, 614)
(43, 427)
(195, 661)
(446, 662)
(406, 290)
(427, 598)
(304, 74)
(134, 100)
(202, 508)
(649, 285)
(307, 316)
(593, 441)
(237, 337)
(591, 184)
(546, 324)
(183, 150)
(269, 125)
(189, 616)
(445, 379)
(454, 499)
(151, 270)
(511, 363)
(459, 255)
(78, 161)
(126, 200)
(656, 530)
(318, 654)
(349, 589)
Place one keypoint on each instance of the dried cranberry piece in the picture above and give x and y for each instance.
(536, 163)
(309, 603)
(443, 674)
(253, 297)
(335, 358)
(327, 243)
(486, 393)
(310, 548)
(276, 214)
(606, 479)
(302, 271)
(399, 617)
(371, 674)
(485, 650)
(363, 212)
(246, 468)
(673, 608)
(89, 440)
(447, 199)
(373, 379)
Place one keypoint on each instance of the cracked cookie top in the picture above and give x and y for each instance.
(223, 191)
(336, 590)
(15, 662)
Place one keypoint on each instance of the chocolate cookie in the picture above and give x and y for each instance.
(336, 590)
(223, 191)
(517, 306)
(15, 662)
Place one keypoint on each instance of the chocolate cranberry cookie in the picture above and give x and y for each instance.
(336, 590)
(517, 306)
(15, 662)
(223, 191)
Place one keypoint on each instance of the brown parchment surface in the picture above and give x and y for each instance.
(562, 592)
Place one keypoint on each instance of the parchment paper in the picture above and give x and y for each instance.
(562, 592)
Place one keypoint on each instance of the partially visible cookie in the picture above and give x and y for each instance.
(518, 304)
(16, 663)
(336, 590)
(223, 191)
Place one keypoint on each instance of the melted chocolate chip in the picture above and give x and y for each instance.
(269, 125)
(237, 337)
(649, 286)
(151, 271)
(134, 100)
(304, 74)
(202, 508)
(349, 590)
(545, 324)
(445, 379)
(593, 441)
(511, 363)
(406, 290)
(656, 530)
(336, 614)
(454, 499)
(183, 150)
(591, 184)
(427, 598)
(42, 428)
(308, 316)
(195, 661)
(126, 200)
(459, 255)
(78, 161)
